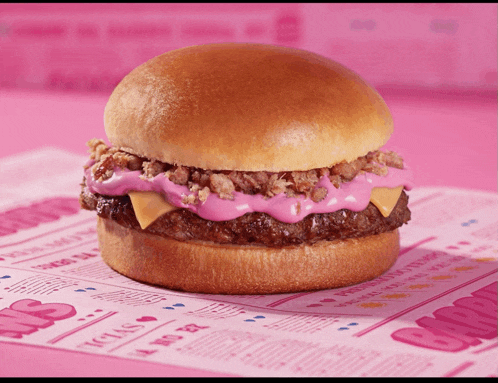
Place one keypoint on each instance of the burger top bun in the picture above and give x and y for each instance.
(249, 107)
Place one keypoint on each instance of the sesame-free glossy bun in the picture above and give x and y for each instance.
(222, 269)
(249, 107)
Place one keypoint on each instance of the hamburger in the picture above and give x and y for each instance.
(246, 169)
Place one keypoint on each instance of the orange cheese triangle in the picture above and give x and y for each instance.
(149, 206)
(385, 199)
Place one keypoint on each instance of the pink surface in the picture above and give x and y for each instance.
(449, 138)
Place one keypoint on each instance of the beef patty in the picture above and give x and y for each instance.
(252, 228)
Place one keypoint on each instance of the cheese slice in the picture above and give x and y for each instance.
(149, 206)
(385, 199)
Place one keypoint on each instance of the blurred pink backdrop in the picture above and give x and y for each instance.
(90, 47)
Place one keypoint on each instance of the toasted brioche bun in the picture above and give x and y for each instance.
(249, 107)
(221, 269)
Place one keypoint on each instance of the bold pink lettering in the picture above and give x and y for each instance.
(480, 305)
(4, 230)
(10, 223)
(31, 216)
(55, 311)
(14, 323)
(89, 344)
(429, 338)
(467, 317)
(466, 334)
(61, 205)
(136, 327)
(106, 338)
(488, 292)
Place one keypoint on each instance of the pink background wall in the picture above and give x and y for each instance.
(90, 47)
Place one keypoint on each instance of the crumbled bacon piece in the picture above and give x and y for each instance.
(203, 194)
(104, 169)
(318, 194)
(179, 175)
(388, 158)
(349, 170)
(376, 169)
(202, 179)
(153, 168)
(304, 181)
(276, 185)
(97, 148)
(189, 199)
(335, 180)
(222, 185)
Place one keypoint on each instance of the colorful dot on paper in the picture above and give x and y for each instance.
(347, 328)
(175, 305)
(85, 289)
(419, 286)
(442, 277)
(485, 259)
(146, 319)
(395, 296)
(254, 318)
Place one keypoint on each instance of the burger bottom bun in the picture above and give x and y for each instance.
(221, 269)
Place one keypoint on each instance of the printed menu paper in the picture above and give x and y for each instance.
(434, 313)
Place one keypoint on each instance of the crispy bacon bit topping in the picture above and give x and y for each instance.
(318, 194)
(224, 183)
(189, 199)
(276, 185)
(349, 170)
(153, 168)
(388, 158)
(178, 175)
(97, 148)
(103, 169)
(203, 194)
(304, 181)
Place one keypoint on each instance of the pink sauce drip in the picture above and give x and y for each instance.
(353, 195)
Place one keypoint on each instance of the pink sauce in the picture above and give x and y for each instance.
(353, 195)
